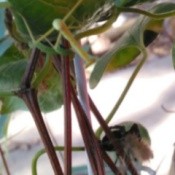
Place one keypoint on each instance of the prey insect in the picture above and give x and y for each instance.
(133, 138)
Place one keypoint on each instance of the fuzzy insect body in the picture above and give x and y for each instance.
(133, 138)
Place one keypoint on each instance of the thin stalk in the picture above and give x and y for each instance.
(6, 167)
(117, 147)
(146, 13)
(111, 164)
(82, 93)
(29, 72)
(100, 29)
(67, 113)
(82, 85)
(43, 151)
(29, 96)
(125, 91)
(30, 99)
(91, 143)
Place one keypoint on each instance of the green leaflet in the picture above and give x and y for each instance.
(173, 54)
(131, 44)
(127, 3)
(12, 67)
(40, 14)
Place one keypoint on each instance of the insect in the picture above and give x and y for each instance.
(70, 20)
(133, 138)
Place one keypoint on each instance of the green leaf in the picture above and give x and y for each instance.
(10, 76)
(50, 92)
(2, 31)
(4, 121)
(10, 55)
(5, 43)
(173, 54)
(131, 44)
(12, 68)
(11, 104)
(40, 14)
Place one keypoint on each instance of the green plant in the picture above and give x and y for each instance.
(36, 68)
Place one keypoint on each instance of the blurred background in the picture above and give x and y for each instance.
(150, 101)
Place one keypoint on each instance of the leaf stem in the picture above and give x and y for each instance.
(4, 161)
(125, 91)
(29, 96)
(100, 29)
(43, 151)
(146, 13)
(67, 112)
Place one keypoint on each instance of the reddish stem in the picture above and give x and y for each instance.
(29, 96)
(67, 113)
(119, 150)
(91, 143)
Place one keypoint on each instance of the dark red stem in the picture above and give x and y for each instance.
(67, 113)
(119, 150)
(29, 96)
(91, 143)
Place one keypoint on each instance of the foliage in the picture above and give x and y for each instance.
(36, 62)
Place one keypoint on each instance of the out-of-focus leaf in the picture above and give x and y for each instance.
(40, 14)
(12, 54)
(10, 76)
(2, 31)
(131, 44)
(11, 104)
(173, 54)
(12, 68)
(5, 42)
(4, 120)
(50, 92)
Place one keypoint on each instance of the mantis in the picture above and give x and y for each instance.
(53, 29)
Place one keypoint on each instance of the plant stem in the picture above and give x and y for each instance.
(82, 85)
(125, 91)
(117, 147)
(89, 139)
(91, 143)
(146, 13)
(100, 29)
(43, 151)
(67, 112)
(6, 167)
(82, 93)
(29, 96)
